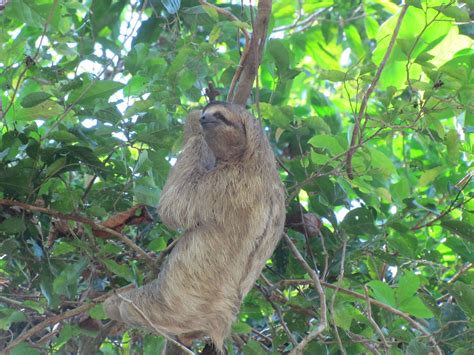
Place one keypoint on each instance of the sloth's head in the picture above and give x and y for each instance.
(223, 125)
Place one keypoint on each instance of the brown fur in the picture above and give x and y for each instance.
(225, 194)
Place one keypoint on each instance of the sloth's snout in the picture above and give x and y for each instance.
(208, 119)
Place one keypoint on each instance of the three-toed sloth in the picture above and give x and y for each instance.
(224, 192)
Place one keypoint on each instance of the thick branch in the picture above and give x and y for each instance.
(251, 59)
(80, 219)
(363, 106)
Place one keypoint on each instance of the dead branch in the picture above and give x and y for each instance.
(81, 219)
(356, 134)
(252, 57)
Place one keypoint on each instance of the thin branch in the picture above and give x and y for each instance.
(58, 318)
(83, 220)
(452, 206)
(373, 322)
(251, 59)
(340, 278)
(322, 298)
(356, 134)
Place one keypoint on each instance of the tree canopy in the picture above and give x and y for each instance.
(368, 105)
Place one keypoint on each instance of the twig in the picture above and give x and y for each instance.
(372, 321)
(151, 324)
(322, 298)
(340, 278)
(251, 61)
(461, 272)
(452, 206)
(83, 220)
(58, 318)
(232, 17)
(229, 15)
(356, 132)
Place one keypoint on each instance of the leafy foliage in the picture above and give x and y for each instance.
(93, 94)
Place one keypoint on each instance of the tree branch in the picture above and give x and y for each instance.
(83, 220)
(356, 134)
(251, 58)
(322, 298)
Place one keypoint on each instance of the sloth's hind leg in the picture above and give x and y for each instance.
(133, 308)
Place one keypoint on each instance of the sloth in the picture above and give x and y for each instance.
(225, 194)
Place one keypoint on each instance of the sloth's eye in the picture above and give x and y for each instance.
(222, 118)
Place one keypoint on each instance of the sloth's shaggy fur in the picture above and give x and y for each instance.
(224, 192)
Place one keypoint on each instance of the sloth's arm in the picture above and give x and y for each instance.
(182, 195)
(192, 126)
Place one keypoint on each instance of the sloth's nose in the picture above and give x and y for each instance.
(207, 118)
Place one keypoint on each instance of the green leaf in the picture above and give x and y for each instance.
(459, 14)
(10, 316)
(382, 164)
(335, 75)
(62, 247)
(97, 312)
(93, 90)
(157, 245)
(371, 27)
(38, 307)
(253, 347)
(359, 221)
(327, 142)
(239, 327)
(464, 230)
(280, 53)
(69, 276)
(417, 347)
(429, 176)
(464, 295)
(355, 41)
(63, 136)
(26, 12)
(34, 99)
(344, 313)
(55, 167)
(383, 292)
(120, 270)
(407, 286)
(13, 225)
(24, 349)
(452, 143)
(415, 307)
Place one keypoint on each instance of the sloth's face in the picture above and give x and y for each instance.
(224, 132)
